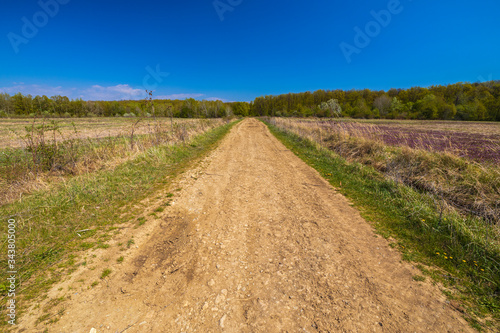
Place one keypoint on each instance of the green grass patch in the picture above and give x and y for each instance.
(141, 220)
(464, 250)
(130, 242)
(418, 278)
(102, 246)
(105, 273)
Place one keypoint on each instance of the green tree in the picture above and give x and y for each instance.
(427, 108)
(361, 110)
(397, 107)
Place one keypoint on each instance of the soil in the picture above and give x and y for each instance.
(255, 241)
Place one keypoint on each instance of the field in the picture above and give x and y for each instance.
(12, 131)
(457, 162)
(479, 141)
(34, 153)
(248, 239)
(216, 222)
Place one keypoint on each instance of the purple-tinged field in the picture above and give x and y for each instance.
(476, 141)
(474, 146)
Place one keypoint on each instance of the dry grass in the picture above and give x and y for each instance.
(46, 151)
(12, 130)
(457, 183)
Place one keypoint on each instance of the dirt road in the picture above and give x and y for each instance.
(256, 241)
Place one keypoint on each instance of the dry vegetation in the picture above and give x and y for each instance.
(479, 141)
(13, 130)
(451, 127)
(459, 177)
(41, 151)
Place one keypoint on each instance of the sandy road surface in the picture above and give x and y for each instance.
(257, 241)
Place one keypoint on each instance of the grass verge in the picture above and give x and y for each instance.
(52, 224)
(449, 248)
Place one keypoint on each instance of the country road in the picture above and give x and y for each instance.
(255, 241)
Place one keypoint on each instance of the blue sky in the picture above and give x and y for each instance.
(116, 49)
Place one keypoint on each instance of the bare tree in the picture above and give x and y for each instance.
(383, 104)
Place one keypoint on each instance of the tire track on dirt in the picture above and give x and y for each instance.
(259, 242)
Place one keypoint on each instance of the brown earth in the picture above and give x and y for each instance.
(256, 241)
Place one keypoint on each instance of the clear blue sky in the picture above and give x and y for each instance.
(102, 49)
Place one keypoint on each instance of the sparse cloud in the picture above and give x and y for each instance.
(111, 93)
(35, 89)
(96, 92)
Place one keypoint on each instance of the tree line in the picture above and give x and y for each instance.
(459, 101)
(20, 105)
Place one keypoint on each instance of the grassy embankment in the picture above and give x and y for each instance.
(459, 251)
(48, 151)
(47, 220)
